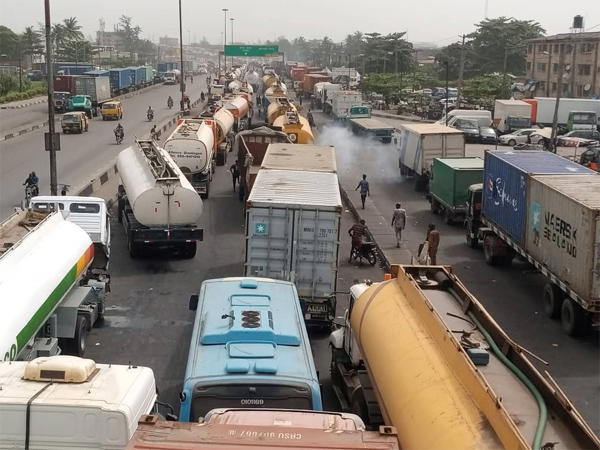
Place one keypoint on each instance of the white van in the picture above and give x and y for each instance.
(483, 116)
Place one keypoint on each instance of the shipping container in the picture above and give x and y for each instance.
(312, 158)
(310, 79)
(65, 83)
(449, 184)
(149, 77)
(98, 73)
(563, 231)
(120, 80)
(137, 75)
(506, 181)
(98, 88)
(292, 234)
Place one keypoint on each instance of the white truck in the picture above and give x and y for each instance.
(293, 229)
(192, 147)
(511, 115)
(65, 402)
(339, 103)
(322, 92)
(419, 144)
(573, 113)
(52, 285)
(157, 205)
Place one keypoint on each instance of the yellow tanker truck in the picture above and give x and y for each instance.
(420, 353)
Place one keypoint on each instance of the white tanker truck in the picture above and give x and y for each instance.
(192, 147)
(50, 292)
(157, 205)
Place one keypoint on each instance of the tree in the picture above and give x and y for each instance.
(31, 42)
(451, 53)
(71, 29)
(484, 89)
(8, 43)
(494, 37)
(129, 32)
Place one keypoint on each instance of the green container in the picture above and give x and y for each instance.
(451, 178)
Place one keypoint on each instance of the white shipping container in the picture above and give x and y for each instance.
(420, 144)
(312, 158)
(563, 230)
(546, 105)
(342, 101)
(292, 230)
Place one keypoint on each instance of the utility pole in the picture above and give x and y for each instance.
(225, 39)
(182, 75)
(50, 136)
(461, 71)
(561, 64)
(232, 19)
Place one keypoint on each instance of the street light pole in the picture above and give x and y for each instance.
(447, 75)
(225, 39)
(561, 64)
(232, 19)
(50, 81)
(20, 66)
(181, 76)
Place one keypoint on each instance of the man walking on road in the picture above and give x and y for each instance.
(398, 223)
(235, 173)
(364, 189)
(433, 242)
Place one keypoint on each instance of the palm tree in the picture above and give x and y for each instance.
(72, 29)
(31, 42)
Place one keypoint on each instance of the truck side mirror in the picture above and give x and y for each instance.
(193, 302)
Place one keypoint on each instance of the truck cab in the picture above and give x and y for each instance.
(582, 120)
(81, 103)
(349, 376)
(473, 216)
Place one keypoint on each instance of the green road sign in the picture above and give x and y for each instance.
(251, 50)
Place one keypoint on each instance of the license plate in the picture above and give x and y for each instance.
(316, 308)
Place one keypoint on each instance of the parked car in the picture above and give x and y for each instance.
(577, 138)
(468, 126)
(112, 110)
(517, 137)
(487, 135)
(76, 121)
(35, 75)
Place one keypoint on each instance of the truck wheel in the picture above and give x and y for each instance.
(552, 299)
(573, 319)
(81, 333)
(488, 250)
(206, 194)
(435, 206)
(448, 217)
(359, 406)
(188, 250)
(134, 249)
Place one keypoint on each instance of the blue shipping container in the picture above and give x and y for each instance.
(506, 181)
(120, 79)
(140, 75)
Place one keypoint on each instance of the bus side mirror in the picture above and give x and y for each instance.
(193, 302)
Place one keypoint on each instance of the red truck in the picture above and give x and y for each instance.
(309, 81)
(64, 88)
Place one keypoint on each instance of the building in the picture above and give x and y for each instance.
(168, 42)
(110, 39)
(581, 65)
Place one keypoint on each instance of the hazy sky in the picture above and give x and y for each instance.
(437, 21)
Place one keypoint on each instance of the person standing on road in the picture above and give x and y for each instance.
(364, 189)
(398, 223)
(235, 173)
(433, 242)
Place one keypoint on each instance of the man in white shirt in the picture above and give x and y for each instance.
(398, 222)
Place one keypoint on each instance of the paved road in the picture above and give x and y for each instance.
(81, 156)
(148, 322)
(512, 295)
(11, 119)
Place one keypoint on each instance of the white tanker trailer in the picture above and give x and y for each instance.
(192, 147)
(221, 121)
(49, 296)
(157, 205)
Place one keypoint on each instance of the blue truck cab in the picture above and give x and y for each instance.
(249, 349)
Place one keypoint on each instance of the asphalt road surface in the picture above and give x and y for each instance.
(81, 155)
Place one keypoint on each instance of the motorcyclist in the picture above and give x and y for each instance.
(32, 180)
(119, 131)
(358, 232)
(202, 97)
(154, 133)
(311, 120)
(150, 113)
(170, 102)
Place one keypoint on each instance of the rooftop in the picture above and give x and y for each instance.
(592, 35)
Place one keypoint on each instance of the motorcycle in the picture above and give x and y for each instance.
(150, 116)
(119, 136)
(31, 190)
(366, 251)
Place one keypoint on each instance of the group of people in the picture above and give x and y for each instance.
(359, 231)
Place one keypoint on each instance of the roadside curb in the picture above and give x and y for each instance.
(23, 131)
(24, 105)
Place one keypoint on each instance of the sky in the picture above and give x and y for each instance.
(434, 21)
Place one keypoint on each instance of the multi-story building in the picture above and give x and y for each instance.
(579, 54)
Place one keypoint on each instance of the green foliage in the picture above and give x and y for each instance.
(11, 83)
(9, 88)
(8, 43)
(31, 42)
(484, 89)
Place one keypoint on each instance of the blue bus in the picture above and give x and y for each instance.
(249, 349)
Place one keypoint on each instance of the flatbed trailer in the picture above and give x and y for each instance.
(372, 128)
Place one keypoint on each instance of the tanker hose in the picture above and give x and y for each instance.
(543, 410)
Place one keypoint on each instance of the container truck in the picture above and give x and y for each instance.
(310, 79)
(120, 81)
(449, 186)
(148, 75)
(420, 353)
(238, 429)
(419, 144)
(295, 126)
(65, 402)
(372, 128)
(511, 115)
(192, 147)
(338, 103)
(323, 91)
(222, 122)
(573, 113)
(531, 207)
(293, 232)
(97, 73)
(96, 88)
(157, 205)
(241, 110)
(65, 83)
(52, 311)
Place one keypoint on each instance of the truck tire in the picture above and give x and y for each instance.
(448, 217)
(435, 206)
(81, 334)
(205, 195)
(188, 250)
(552, 299)
(134, 249)
(472, 242)
(489, 242)
(573, 318)
(359, 406)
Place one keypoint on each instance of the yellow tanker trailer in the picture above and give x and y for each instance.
(296, 127)
(420, 353)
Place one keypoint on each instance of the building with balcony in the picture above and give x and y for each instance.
(579, 54)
